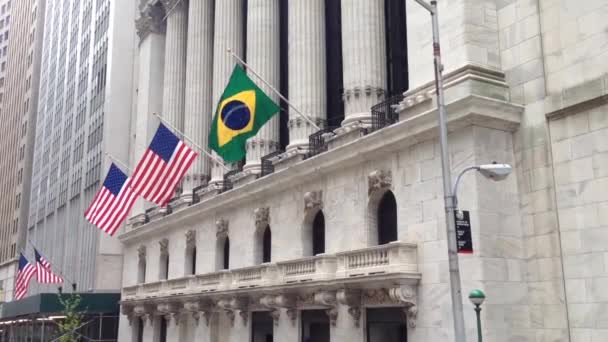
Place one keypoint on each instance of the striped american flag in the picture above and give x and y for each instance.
(43, 271)
(112, 204)
(25, 273)
(162, 167)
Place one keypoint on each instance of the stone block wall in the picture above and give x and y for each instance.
(580, 150)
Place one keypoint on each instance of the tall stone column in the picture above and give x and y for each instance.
(151, 61)
(173, 328)
(199, 76)
(228, 35)
(307, 74)
(152, 329)
(263, 55)
(174, 92)
(364, 58)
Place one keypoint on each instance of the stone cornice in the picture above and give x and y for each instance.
(585, 96)
(418, 123)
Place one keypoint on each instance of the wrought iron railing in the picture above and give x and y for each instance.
(267, 166)
(316, 141)
(384, 113)
(237, 167)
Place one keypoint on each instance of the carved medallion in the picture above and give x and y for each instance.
(262, 218)
(191, 239)
(313, 200)
(164, 246)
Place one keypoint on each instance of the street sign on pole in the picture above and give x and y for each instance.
(464, 239)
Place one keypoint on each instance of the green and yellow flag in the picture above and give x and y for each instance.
(242, 110)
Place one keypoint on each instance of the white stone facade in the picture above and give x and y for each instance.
(524, 86)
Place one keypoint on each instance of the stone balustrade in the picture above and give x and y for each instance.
(395, 258)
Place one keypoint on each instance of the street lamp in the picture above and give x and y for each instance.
(496, 172)
(477, 297)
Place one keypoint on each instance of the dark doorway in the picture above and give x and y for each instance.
(396, 47)
(140, 330)
(387, 219)
(318, 234)
(386, 325)
(266, 245)
(261, 327)
(226, 252)
(192, 257)
(163, 329)
(315, 326)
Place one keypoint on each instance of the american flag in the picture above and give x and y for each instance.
(112, 203)
(162, 167)
(25, 273)
(43, 271)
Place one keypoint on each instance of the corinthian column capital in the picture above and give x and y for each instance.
(173, 4)
(150, 21)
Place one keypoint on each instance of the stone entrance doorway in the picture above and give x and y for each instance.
(386, 325)
(261, 327)
(315, 326)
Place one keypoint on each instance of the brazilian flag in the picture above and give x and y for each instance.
(242, 110)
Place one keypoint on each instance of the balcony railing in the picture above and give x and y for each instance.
(237, 167)
(396, 258)
(384, 113)
(267, 166)
(316, 141)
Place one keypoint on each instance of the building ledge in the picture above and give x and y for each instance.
(588, 95)
(475, 97)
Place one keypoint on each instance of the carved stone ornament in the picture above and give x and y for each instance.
(327, 298)
(332, 313)
(190, 239)
(276, 315)
(292, 313)
(313, 200)
(207, 316)
(164, 246)
(262, 218)
(194, 308)
(379, 180)
(351, 298)
(221, 226)
(404, 296)
(244, 316)
(230, 316)
(141, 253)
(355, 313)
(127, 310)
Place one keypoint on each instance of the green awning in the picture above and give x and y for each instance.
(45, 304)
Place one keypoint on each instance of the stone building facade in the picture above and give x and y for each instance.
(339, 235)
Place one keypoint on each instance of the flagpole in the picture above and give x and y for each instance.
(191, 141)
(255, 73)
(118, 161)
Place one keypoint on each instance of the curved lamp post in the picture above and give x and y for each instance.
(477, 297)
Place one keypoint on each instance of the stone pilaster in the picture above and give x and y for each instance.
(199, 77)
(228, 35)
(263, 55)
(151, 31)
(364, 58)
(307, 74)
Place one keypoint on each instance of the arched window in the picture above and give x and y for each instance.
(190, 260)
(266, 245)
(387, 219)
(141, 271)
(318, 234)
(226, 254)
(164, 266)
